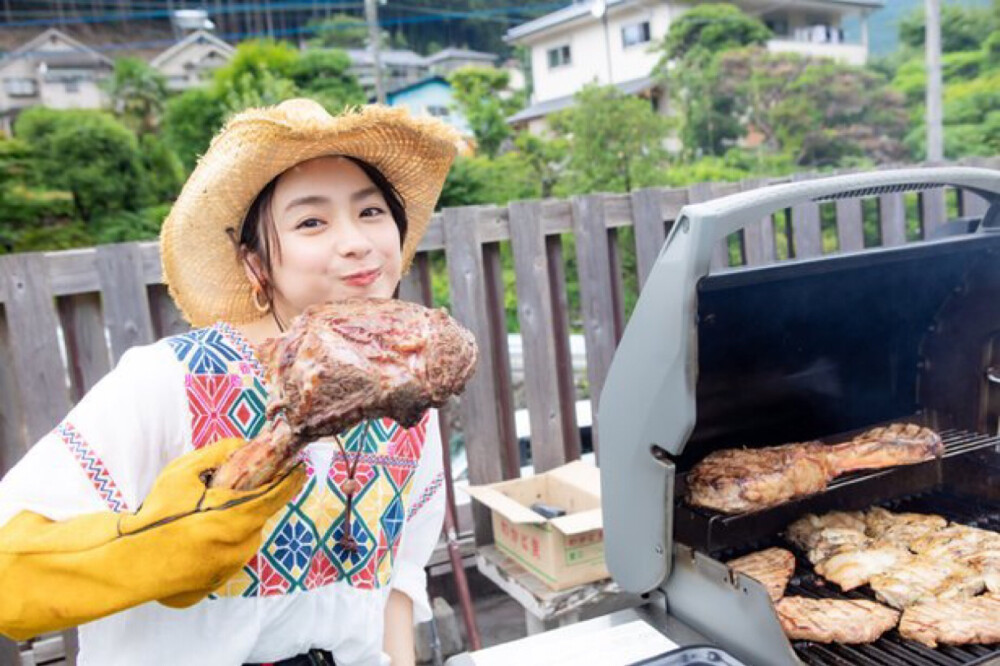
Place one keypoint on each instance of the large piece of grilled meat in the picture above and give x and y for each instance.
(342, 363)
(743, 480)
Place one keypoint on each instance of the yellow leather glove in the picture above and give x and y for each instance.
(182, 543)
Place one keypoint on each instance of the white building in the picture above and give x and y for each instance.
(400, 67)
(190, 61)
(579, 44)
(52, 70)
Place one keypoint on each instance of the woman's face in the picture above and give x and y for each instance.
(336, 235)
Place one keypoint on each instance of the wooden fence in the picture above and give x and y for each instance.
(67, 317)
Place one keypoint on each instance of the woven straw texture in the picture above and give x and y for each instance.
(200, 264)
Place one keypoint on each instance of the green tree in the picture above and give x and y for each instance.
(137, 92)
(710, 123)
(88, 154)
(962, 28)
(712, 28)
(480, 95)
(190, 121)
(340, 31)
(323, 75)
(818, 111)
(615, 141)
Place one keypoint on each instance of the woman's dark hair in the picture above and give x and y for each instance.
(257, 234)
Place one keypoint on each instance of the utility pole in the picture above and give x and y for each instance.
(935, 116)
(375, 37)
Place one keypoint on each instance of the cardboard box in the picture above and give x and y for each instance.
(564, 551)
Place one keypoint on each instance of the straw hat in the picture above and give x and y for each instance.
(200, 265)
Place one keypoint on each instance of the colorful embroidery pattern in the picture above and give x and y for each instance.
(92, 466)
(301, 550)
(426, 496)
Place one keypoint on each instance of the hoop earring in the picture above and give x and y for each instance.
(263, 309)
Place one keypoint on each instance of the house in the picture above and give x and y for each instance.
(446, 61)
(52, 70)
(191, 60)
(400, 67)
(430, 97)
(580, 44)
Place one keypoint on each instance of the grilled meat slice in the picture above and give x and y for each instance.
(956, 542)
(341, 363)
(853, 568)
(742, 480)
(834, 620)
(772, 568)
(926, 579)
(835, 541)
(896, 444)
(807, 531)
(953, 621)
(901, 528)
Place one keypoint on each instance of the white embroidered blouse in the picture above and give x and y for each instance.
(301, 590)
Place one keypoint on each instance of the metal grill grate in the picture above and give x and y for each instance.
(892, 649)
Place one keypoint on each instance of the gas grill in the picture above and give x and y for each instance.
(803, 350)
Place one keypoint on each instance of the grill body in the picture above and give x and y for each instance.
(816, 349)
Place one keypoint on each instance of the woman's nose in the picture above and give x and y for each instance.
(353, 241)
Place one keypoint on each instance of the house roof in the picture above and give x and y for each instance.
(35, 49)
(419, 84)
(195, 37)
(582, 9)
(542, 109)
(388, 56)
(460, 54)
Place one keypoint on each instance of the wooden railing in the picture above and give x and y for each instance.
(67, 317)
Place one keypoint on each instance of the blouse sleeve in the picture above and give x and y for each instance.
(106, 453)
(423, 524)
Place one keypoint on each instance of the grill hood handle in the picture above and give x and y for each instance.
(647, 408)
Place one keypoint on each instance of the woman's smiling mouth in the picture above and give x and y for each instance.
(363, 278)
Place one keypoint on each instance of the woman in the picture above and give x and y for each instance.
(106, 522)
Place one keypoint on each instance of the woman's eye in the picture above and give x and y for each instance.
(371, 211)
(311, 223)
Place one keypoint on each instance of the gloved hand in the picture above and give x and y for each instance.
(183, 542)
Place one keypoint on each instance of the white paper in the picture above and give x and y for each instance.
(616, 646)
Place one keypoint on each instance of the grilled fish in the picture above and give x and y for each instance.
(834, 620)
(772, 568)
(853, 568)
(953, 621)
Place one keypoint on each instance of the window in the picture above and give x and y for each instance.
(778, 25)
(637, 33)
(20, 87)
(559, 56)
(72, 85)
(437, 111)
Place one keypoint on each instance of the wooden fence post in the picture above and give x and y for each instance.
(549, 441)
(596, 296)
(480, 420)
(123, 293)
(32, 325)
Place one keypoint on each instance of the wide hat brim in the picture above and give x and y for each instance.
(200, 263)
